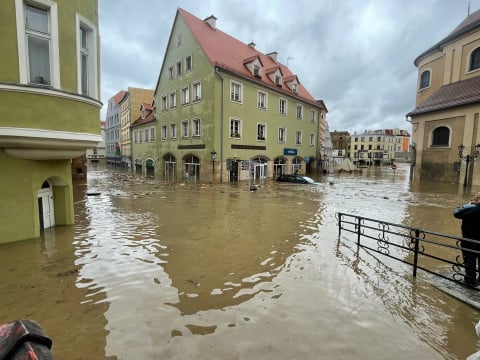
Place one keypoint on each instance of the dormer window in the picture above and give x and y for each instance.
(256, 70)
(278, 80)
(143, 113)
(295, 88)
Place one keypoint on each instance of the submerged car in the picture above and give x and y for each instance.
(295, 179)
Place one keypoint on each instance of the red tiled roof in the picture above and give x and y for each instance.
(229, 54)
(459, 93)
(119, 96)
(148, 119)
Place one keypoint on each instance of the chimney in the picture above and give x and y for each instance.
(212, 21)
(252, 45)
(273, 55)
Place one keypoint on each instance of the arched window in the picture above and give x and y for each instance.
(475, 59)
(425, 79)
(441, 136)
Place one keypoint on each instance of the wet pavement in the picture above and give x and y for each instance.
(153, 270)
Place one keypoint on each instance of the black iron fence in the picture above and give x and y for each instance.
(435, 253)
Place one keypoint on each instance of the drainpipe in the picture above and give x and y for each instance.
(221, 127)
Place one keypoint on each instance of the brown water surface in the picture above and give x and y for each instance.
(153, 270)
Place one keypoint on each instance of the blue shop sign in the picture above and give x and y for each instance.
(287, 151)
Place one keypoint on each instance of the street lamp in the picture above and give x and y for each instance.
(467, 159)
(213, 154)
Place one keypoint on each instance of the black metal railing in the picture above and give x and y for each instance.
(435, 253)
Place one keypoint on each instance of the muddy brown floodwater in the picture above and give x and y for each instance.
(198, 271)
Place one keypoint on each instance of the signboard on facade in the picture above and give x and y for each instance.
(287, 151)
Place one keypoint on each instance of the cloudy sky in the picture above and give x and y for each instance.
(356, 55)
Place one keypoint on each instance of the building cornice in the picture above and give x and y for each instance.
(46, 91)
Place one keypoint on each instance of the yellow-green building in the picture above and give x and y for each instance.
(49, 109)
(226, 111)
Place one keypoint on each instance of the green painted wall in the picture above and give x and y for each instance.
(23, 178)
(8, 43)
(48, 112)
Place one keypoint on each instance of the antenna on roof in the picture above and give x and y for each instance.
(468, 11)
(288, 60)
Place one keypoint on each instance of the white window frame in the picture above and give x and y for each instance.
(186, 95)
(185, 129)
(146, 133)
(152, 134)
(197, 91)
(164, 103)
(173, 100)
(20, 13)
(280, 102)
(179, 68)
(173, 131)
(187, 61)
(236, 90)
(313, 116)
(196, 127)
(262, 100)
(312, 139)
(282, 135)
(235, 128)
(298, 137)
(170, 73)
(164, 129)
(91, 51)
(299, 111)
(261, 132)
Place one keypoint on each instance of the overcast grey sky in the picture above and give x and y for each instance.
(356, 55)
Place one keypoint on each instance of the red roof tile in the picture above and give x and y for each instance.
(119, 96)
(459, 93)
(229, 54)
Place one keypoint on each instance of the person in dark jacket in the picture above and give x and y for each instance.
(470, 215)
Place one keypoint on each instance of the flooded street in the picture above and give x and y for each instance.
(200, 271)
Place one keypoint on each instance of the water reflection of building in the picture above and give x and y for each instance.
(446, 111)
(49, 95)
(226, 111)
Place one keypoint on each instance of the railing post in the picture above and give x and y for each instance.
(359, 220)
(415, 254)
(339, 224)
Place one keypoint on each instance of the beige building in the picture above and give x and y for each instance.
(130, 109)
(446, 115)
(374, 147)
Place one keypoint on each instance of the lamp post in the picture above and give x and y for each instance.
(213, 154)
(467, 159)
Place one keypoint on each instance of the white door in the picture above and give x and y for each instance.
(46, 210)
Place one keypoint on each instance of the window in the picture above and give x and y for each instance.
(87, 58)
(299, 111)
(170, 73)
(173, 131)
(164, 132)
(37, 36)
(164, 103)
(312, 139)
(261, 132)
(281, 135)
(295, 88)
(197, 91)
(185, 95)
(313, 116)
(283, 107)
(173, 100)
(146, 135)
(441, 136)
(278, 80)
(262, 100)
(185, 132)
(135, 136)
(425, 79)
(152, 134)
(256, 70)
(235, 128)
(179, 68)
(140, 136)
(370, 138)
(298, 138)
(474, 60)
(196, 128)
(188, 63)
(236, 92)
(379, 138)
